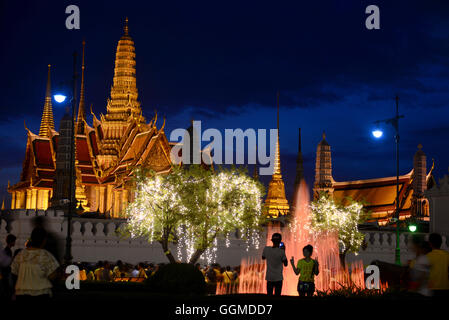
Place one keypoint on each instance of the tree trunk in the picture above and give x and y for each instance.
(167, 252)
(196, 255)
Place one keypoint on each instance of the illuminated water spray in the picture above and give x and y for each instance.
(295, 236)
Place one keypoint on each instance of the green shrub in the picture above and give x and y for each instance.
(178, 278)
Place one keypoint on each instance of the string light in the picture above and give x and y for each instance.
(196, 207)
(327, 216)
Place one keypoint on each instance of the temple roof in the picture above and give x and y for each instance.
(379, 195)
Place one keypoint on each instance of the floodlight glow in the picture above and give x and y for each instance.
(412, 228)
(59, 98)
(377, 134)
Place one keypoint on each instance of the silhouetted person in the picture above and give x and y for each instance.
(52, 244)
(307, 268)
(420, 266)
(33, 267)
(439, 267)
(10, 243)
(7, 282)
(276, 260)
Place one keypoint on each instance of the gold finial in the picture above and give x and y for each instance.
(155, 118)
(47, 122)
(419, 146)
(48, 91)
(81, 109)
(277, 160)
(324, 135)
(126, 26)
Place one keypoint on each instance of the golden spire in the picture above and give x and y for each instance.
(277, 160)
(81, 107)
(125, 29)
(276, 203)
(47, 122)
(124, 89)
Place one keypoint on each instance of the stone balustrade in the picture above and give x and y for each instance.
(100, 239)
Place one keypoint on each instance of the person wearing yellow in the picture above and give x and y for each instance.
(439, 267)
(228, 276)
(90, 276)
(83, 275)
(118, 269)
(307, 268)
(99, 271)
(142, 273)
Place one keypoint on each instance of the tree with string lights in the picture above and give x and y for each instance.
(192, 207)
(344, 219)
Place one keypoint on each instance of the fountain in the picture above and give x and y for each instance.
(295, 236)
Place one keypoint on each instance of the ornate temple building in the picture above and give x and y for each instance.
(379, 195)
(276, 204)
(106, 152)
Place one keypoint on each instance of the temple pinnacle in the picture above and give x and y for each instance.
(125, 29)
(47, 122)
(81, 107)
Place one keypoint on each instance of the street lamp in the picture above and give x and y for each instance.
(378, 134)
(412, 227)
(60, 98)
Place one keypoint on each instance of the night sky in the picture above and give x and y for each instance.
(222, 62)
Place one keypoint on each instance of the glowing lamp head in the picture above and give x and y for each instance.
(377, 134)
(412, 227)
(59, 98)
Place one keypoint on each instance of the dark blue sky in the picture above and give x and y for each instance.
(222, 62)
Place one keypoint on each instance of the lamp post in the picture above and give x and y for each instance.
(378, 134)
(68, 244)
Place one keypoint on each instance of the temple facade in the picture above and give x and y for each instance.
(378, 195)
(106, 152)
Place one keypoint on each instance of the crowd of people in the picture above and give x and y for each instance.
(28, 272)
(217, 274)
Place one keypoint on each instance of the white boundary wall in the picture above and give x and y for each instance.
(96, 239)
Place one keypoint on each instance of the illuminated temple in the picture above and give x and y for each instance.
(108, 150)
(105, 153)
(378, 195)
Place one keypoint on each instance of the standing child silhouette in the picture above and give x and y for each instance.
(307, 268)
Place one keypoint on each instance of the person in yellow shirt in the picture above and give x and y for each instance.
(439, 267)
(142, 273)
(118, 269)
(307, 268)
(83, 275)
(99, 271)
(228, 276)
(90, 276)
